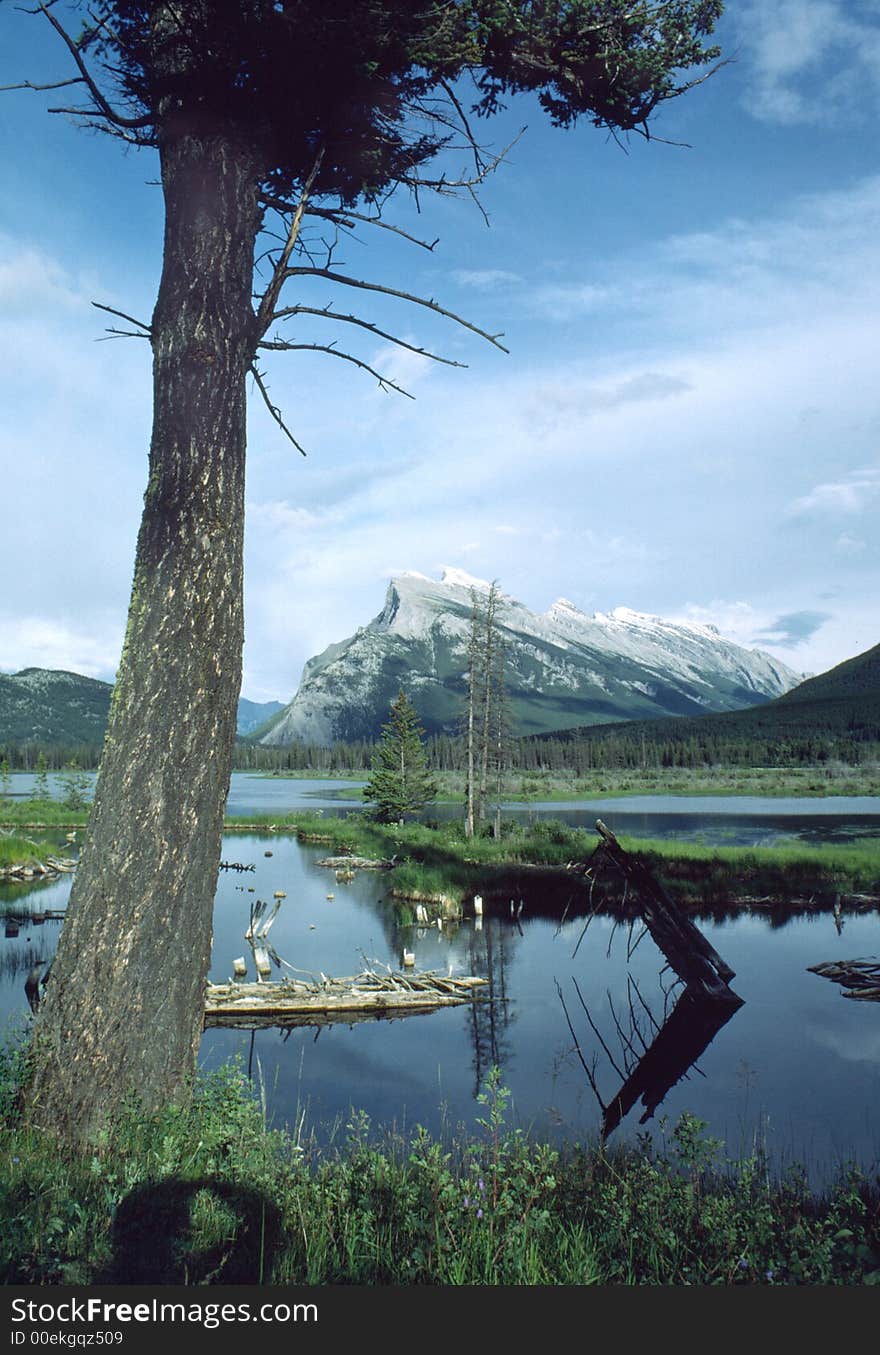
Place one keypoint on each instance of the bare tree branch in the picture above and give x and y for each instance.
(276, 345)
(111, 310)
(327, 314)
(280, 272)
(123, 334)
(274, 410)
(343, 218)
(590, 1072)
(479, 163)
(105, 108)
(56, 84)
(429, 304)
(595, 1029)
(445, 186)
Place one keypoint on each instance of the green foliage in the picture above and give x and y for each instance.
(366, 73)
(17, 851)
(400, 783)
(204, 1193)
(439, 859)
(75, 785)
(45, 813)
(40, 789)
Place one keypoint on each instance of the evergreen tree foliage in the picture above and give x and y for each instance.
(400, 783)
(40, 789)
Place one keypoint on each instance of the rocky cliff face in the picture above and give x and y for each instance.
(563, 668)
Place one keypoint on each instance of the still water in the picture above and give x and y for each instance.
(796, 1067)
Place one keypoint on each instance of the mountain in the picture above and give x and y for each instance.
(853, 678)
(563, 668)
(50, 706)
(832, 715)
(47, 706)
(253, 714)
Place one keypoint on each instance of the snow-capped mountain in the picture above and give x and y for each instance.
(563, 667)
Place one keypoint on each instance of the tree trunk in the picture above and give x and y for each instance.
(124, 1003)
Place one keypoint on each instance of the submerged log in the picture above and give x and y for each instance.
(861, 978)
(354, 863)
(33, 869)
(696, 962)
(363, 997)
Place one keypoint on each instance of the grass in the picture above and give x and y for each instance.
(16, 850)
(205, 1193)
(435, 860)
(33, 813)
(831, 780)
(834, 778)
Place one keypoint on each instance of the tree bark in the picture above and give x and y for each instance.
(124, 1004)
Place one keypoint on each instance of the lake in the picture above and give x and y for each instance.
(796, 1068)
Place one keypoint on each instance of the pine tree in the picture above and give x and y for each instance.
(40, 789)
(400, 783)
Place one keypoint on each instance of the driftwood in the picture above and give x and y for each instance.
(354, 863)
(366, 996)
(694, 960)
(39, 870)
(861, 978)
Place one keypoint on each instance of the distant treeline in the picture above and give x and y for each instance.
(781, 734)
(55, 756)
(701, 743)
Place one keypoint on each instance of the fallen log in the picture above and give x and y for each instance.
(860, 978)
(354, 863)
(366, 996)
(38, 870)
(694, 960)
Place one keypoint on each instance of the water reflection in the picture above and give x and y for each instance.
(649, 1071)
(814, 1059)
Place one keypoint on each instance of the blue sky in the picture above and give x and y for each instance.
(687, 422)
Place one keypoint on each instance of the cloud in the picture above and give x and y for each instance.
(278, 517)
(793, 628)
(564, 303)
(580, 398)
(485, 279)
(31, 278)
(816, 256)
(812, 61)
(851, 545)
(44, 642)
(840, 498)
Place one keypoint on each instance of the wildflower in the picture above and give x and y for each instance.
(770, 1274)
(479, 1213)
(466, 1202)
(743, 1263)
(480, 1186)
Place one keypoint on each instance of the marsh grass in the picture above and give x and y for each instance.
(42, 813)
(206, 1193)
(832, 779)
(438, 860)
(17, 850)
